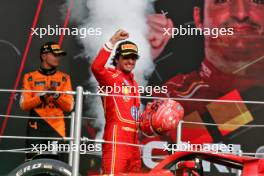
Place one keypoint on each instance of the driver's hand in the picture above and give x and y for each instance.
(118, 36)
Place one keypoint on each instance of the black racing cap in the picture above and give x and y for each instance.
(127, 48)
(52, 47)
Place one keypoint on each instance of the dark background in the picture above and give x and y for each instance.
(182, 55)
(16, 21)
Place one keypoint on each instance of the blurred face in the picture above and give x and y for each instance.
(246, 17)
(50, 60)
(126, 63)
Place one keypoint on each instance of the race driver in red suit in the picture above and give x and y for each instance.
(232, 62)
(121, 113)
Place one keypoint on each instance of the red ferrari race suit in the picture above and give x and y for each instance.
(210, 83)
(51, 106)
(121, 113)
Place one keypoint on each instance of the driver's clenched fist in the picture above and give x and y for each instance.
(118, 36)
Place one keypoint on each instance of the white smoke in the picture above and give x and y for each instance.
(111, 15)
